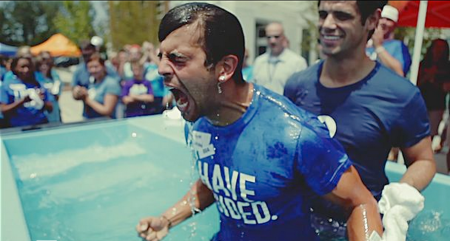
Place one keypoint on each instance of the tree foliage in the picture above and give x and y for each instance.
(74, 20)
(133, 22)
(27, 23)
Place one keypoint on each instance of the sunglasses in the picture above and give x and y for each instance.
(273, 36)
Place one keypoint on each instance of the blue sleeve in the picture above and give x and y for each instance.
(48, 96)
(149, 87)
(4, 98)
(321, 159)
(125, 89)
(406, 57)
(113, 87)
(400, 52)
(75, 77)
(413, 124)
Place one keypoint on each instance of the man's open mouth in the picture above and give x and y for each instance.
(181, 99)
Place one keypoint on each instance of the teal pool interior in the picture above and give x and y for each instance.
(95, 181)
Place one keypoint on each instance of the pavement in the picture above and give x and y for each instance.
(72, 110)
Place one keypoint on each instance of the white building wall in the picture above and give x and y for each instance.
(292, 14)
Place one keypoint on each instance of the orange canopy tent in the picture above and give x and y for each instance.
(57, 45)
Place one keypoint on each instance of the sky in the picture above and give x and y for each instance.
(101, 14)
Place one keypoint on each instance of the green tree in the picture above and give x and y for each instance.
(74, 20)
(133, 22)
(27, 23)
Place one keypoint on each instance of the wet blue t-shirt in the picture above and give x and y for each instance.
(381, 111)
(30, 113)
(263, 168)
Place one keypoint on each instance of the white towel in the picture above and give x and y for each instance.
(399, 203)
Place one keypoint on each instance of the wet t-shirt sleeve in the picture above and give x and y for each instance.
(321, 159)
(414, 124)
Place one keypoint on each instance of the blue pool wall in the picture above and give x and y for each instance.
(12, 226)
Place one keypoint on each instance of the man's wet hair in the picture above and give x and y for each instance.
(221, 32)
(367, 8)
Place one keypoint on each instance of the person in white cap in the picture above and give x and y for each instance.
(391, 52)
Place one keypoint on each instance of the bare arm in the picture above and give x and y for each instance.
(48, 106)
(147, 98)
(353, 196)
(421, 164)
(386, 58)
(389, 61)
(6, 108)
(202, 196)
(155, 228)
(105, 109)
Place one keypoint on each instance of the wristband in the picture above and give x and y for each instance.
(168, 220)
(380, 49)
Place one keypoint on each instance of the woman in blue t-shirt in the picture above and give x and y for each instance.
(23, 99)
(100, 97)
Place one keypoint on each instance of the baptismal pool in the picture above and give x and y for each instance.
(93, 182)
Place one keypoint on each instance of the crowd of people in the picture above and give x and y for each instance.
(307, 145)
(127, 85)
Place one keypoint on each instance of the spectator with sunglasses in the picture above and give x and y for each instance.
(273, 68)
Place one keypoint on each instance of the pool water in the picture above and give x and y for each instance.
(433, 222)
(94, 182)
(98, 187)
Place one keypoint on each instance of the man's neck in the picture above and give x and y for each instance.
(272, 54)
(236, 98)
(339, 72)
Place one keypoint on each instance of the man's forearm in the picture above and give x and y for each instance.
(420, 174)
(199, 196)
(389, 61)
(363, 221)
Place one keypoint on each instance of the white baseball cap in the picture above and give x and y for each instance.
(390, 13)
(97, 41)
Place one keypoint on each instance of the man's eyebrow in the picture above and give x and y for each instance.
(177, 55)
(343, 13)
(321, 11)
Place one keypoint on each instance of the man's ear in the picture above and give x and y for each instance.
(226, 67)
(372, 20)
